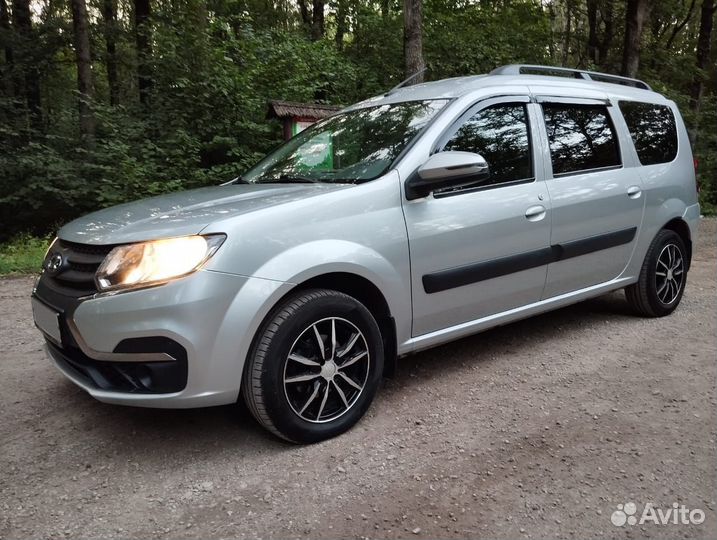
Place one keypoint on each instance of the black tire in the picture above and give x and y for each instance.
(289, 409)
(648, 297)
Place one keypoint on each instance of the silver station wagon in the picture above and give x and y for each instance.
(402, 222)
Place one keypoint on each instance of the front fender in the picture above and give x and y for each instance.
(316, 258)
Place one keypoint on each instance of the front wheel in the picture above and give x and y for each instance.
(663, 276)
(315, 366)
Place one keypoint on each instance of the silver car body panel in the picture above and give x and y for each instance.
(280, 236)
(182, 213)
(591, 203)
(470, 228)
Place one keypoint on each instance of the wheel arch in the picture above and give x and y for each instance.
(366, 292)
(680, 226)
(363, 290)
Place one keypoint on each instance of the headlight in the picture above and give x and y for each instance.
(155, 262)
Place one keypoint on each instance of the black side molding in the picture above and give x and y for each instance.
(473, 273)
(576, 248)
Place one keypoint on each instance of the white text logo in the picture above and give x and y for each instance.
(677, 514)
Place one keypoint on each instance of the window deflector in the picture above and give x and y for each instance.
(479, 105)
(567, 100)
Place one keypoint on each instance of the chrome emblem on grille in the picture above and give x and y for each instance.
(54, 263)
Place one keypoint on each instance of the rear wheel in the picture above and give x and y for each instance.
(315, 366)
(663, 276)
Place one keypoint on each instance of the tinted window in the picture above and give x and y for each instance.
(499, 134)
(653, 131)
(581, 137)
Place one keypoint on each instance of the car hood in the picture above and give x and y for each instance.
(183, 213)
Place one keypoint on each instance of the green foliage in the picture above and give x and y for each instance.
(470, 38)
(22, 255)
(216, 63)
(377, 50)
(706, 152)
(207, 123)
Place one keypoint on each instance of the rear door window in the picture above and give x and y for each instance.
(653, 131)
(581, 138)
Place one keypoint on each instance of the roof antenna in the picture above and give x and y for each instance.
(403, 83)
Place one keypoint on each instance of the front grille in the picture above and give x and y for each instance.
(76, 275)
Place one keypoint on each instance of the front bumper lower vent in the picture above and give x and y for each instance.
(128, 377)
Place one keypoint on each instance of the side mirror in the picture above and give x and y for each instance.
(444, 170)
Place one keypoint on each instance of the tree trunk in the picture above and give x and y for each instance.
(568, 31)
(634, 21)
(6, 68)
(5, 27)
(551, 41)
(606, 14)
(704, 41)
(317, 20)
(340, 24)
(109, 14)
(28, 81)
(677, 29)
(593, 43)
(413, 39)
(385, 8)
(84, 70)
(142, 34)
(305, 16)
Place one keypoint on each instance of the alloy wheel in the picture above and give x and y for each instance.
(326, 370)
(669, 274)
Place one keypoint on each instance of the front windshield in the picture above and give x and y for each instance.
(352, 147)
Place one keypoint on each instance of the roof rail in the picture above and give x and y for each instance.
(523, 69)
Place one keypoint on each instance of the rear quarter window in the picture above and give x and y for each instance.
(653, 131)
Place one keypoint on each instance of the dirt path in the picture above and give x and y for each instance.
(537, 429)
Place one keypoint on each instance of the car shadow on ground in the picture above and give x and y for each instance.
(516, 337)
(137, 430)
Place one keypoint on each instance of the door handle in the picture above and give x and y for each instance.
(535, 213)
(634, 192)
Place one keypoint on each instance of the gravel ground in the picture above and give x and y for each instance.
(537, 429)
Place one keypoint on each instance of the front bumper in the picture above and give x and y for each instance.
(165, 376)
(182, 344)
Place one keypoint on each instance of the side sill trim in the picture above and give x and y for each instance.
(445, 335)
(451, 278)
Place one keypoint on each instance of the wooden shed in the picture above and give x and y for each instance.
(298, 116)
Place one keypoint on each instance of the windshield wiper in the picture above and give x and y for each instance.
(290, 179)
(233, 181)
